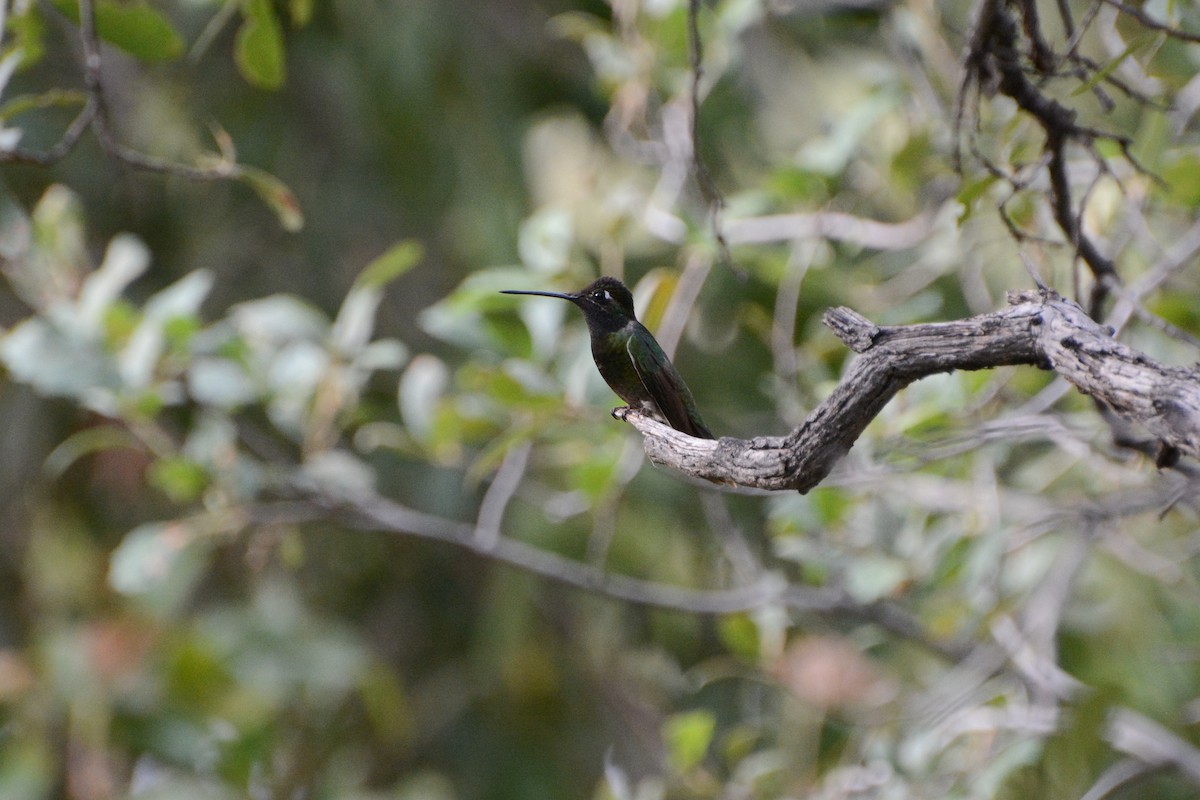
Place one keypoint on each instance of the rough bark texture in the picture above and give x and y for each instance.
(1039, 329)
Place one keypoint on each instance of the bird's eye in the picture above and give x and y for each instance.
(602, 296)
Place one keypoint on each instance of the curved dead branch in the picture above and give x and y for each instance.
(1041, 329)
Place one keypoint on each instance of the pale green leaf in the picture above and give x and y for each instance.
(221, 382)
(148, 555)
(124, 262)
(138, 359)
(293, 377)
(421, 388)
(382, 354)
(355, 320)
(545, 240)
(872, 578)
(57, 362)
(279, 318)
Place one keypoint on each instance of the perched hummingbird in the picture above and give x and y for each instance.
(629, 359)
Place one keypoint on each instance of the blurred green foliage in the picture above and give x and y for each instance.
(179, 357)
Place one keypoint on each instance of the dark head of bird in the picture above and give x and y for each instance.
(606, 303)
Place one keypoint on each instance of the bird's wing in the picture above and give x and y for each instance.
(663, 383)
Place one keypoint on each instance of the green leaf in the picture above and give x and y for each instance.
(258, 49)
(387, 705)
(796, 184)
(739, 634)
(459, 318)
(1183, 181)
(136, 28)
(180, 479)
(972, 192)
(26, 32)
(688, 736)
(398, 259)
(1106, 70)
(660, 283)
(596, 472)
(301, 12)
(276, 194)
(830, 504)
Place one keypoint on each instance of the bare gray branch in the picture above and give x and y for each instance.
(1037, 329)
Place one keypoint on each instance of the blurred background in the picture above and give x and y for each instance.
(174, 622)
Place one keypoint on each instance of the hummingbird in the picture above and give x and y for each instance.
(629, 359)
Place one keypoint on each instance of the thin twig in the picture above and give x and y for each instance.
(373, 512)
(683, 299)
(833, 225)
(1129, 298)
(62, 148)
(95, 116)
(1115, 777)
(498, 495)
(1064, 13)
(733, 541)
(708, 187)
(783, 329)
(1150, 22)
(1137, 735)
(102, 126)
(994, 59)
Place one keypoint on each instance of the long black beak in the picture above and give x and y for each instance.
(571, 297)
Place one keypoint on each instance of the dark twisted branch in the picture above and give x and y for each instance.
(994, 59)
(1037, 329)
